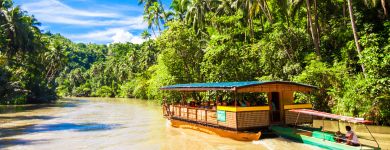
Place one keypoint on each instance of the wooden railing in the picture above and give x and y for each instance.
(201, 115)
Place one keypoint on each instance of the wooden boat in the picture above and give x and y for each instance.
(246, 122)
(319, 137)
(236, 135)
(235, 121)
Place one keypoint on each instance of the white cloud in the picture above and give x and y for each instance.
(114, 35)
(55, 7)
(53, 11)
(122, 36)
(116, 24)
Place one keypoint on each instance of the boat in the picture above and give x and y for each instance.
(229, 112)
(318, 136)
(224, 109)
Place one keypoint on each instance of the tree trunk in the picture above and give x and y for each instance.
(266, 7)
(317, 24)
(313, 31)
(344, 11)
(266, 13)
(154, 33)
(383, 3)
(355, 36)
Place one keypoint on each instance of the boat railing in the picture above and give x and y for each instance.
(201, 115)
(235, 118)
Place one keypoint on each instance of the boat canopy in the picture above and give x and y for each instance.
(331, 116)
(242, 86)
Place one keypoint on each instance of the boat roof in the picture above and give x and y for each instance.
(229, 86)
(331, 116)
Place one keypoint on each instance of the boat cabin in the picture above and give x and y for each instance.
(232, 109)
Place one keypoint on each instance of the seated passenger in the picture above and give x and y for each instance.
(224, 104)
(206, 105)
(351, 137)
(192, 104)
(247, 103)
(338, 137)
(242, 104)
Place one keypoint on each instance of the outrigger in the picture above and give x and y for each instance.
(239, 110)
(318, 136)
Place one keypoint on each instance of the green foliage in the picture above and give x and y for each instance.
(206, 41)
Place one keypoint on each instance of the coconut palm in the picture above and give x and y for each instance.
(355, 35)
(196, 14)
(313, 28)
(19, 29)
(180, 8)
(154, 17)
(145, 35)
(374, 3)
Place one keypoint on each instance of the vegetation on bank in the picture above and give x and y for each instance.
(309, 41)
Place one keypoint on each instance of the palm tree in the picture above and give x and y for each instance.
(154, 17)
(355, 35)
(313, 29)
(180, 8)
(196, 14)
(150, 3)
(383, 3)
(374, 3)
(19, 30)
(147, 4)
(55, 58)
(145, 35)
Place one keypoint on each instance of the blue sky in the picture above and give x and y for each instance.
(90, 21)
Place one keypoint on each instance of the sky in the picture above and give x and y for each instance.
(90, 21)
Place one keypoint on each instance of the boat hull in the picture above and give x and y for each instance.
(236, 135)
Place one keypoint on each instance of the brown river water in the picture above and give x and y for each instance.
(108, 123)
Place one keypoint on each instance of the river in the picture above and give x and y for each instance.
(108, 123)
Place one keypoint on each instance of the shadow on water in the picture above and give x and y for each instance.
(12, 142)
(22, 108)
(27, 117)
(82, 127)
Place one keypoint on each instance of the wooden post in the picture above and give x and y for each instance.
(196, 114)
(235, 97)
(235, 105)
(205, 113)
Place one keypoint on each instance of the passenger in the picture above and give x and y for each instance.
(338, 136)
(214, 106)
(224, 104)
(207, 105)
(351, 137)
(192, 104)
(247, 103)
(242, 104)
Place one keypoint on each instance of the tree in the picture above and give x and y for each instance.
(196, 14)
(19, 30)
(355, 35)
(180, 8)
(145, 35)
(313, 29)
(154, 17)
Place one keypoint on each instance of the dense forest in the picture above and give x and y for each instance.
(340, 46)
